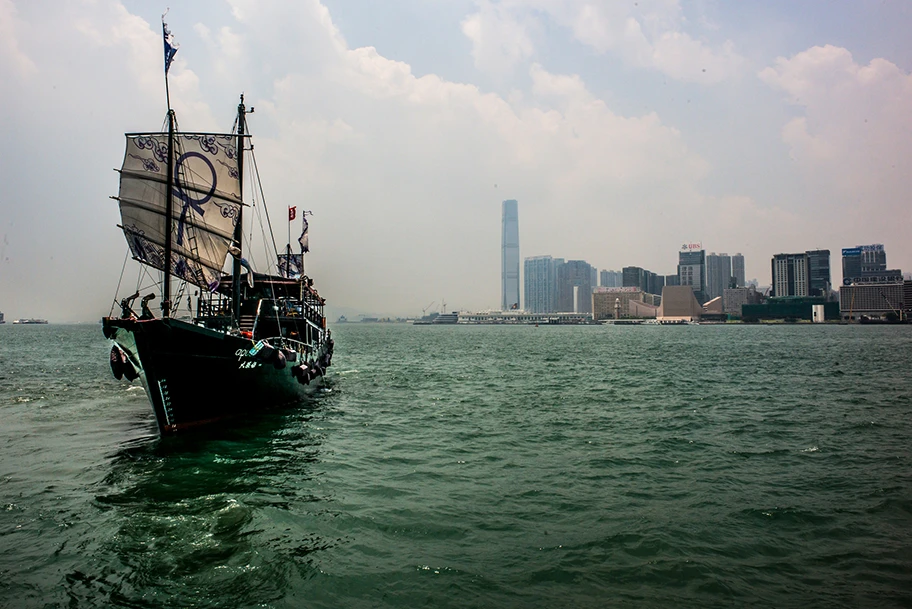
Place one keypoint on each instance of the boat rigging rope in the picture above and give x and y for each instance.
(259, 219)
(256, 171)
(119, 281)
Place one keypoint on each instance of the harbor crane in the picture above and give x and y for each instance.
(897, 312)
(424, 310)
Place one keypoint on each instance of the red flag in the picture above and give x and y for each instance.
(292, 212)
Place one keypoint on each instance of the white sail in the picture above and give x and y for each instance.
(206, 201)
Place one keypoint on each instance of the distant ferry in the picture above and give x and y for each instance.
(438, 318)
(1, 319)
(30, 321)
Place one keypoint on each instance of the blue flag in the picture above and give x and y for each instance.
(170, 46)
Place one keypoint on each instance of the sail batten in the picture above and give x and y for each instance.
(199, 267)
(189, 222)
(206, 202)
(178, 251)
(186, 187)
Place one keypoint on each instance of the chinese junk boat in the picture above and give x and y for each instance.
(253, 341)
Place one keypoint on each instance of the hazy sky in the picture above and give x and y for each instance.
(624, 129)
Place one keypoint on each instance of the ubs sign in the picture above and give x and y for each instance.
(691, 247)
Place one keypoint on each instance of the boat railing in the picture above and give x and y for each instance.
(283, 342)
(213, 305)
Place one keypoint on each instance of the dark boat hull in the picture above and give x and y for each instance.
(195, 376)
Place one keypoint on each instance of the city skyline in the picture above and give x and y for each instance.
(623, 129)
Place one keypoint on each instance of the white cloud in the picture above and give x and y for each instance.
(853, 139)
(684, 58)
(499, 39)
(10, 28)
(647, 34)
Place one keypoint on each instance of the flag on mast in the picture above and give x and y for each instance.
(292, 212)
(170, 46)
(304, 239)
(291, 265)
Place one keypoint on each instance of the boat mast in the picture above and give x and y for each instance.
(169, 221)
(170, 50)
(239, 227)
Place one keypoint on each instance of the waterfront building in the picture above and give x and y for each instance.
(654, 283)
(713, 307)
(790, 275)
(647, 281)
(791, 308)
(907, 298)
(692, 269)
(515, 318)
(634, 277)
(509, 267)
(653, 299)
(873, 258)
(672, 280)
(574, 286)
(718, 274)
(611, 279)
(867, 264)
(540, 279)
(679, 302)
(606, 300)
(851, 264)
(642, 310)
(872, 300)
(735, 298)
(738, 270)
(861, 260)
(819, 283)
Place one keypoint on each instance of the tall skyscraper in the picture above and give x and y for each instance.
(865, 264)
(790, 275)
(634, 277)
(818, 272)
(574, 284)
(611, 279)
(540, 279)
(692, 270)
(647, 281)
(718, 274)
(509, 267)
(738, 270)
(873, 258)
(861, 261)
(654, 283)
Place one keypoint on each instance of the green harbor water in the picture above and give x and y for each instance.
(690, 466)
